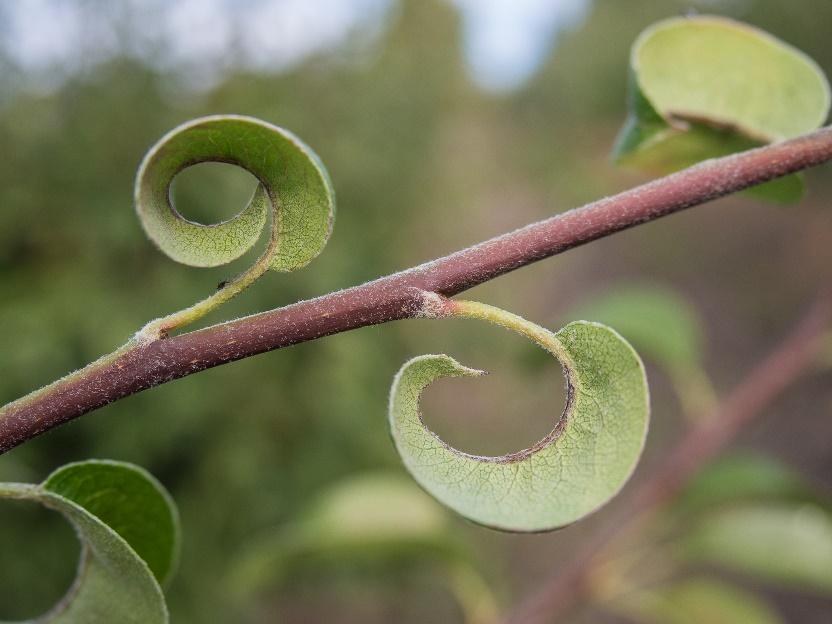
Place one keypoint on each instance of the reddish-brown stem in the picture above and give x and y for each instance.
(144, 364)
(563, 593)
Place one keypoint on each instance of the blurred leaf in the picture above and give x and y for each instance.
(129, 531)
(707, 86)
(574, 470)
(373, 508)
(293, 184)
(788, 545)
(659, 322)
(374, 518)
(665, 328)
(743, 477)
(370, 516)
(697, 601)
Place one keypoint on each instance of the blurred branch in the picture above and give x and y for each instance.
(793, 357)
(144, 363)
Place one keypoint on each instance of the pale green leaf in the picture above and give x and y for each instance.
(584, 461)
(696, 601)
(789, 545)
(730, 74)
(129, 532)
(294, 187)
(707, 86)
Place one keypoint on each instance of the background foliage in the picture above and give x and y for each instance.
(423, 162)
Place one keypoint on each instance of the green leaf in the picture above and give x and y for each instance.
(696, 601)
(707, 86)
(785, 544)
(294, 187)
(129, 501)
(376, 519)
(128, 528)
(584, 461)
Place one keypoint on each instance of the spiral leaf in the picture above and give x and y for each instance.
(294, 186)
(707, 86)
(129, 531)
(582, 463)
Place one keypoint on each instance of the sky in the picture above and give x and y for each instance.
(505, 41)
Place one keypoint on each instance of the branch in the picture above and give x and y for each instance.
(563, 593)
(142, 364)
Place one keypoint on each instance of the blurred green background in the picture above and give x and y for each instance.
(430, 148)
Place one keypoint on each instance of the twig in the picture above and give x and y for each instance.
(144, 363)
(563, 593)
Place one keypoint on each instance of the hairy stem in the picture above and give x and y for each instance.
(402, 295)
(161, 327)
(22, 491)
(794, 356)
(509, 320)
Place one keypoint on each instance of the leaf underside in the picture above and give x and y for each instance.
(294, 187)
(705, 86)
(579, 466)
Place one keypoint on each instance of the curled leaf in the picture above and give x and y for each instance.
(129, 532)
(729, 74)
(707, 86)
(294, 187)
(582, 463)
